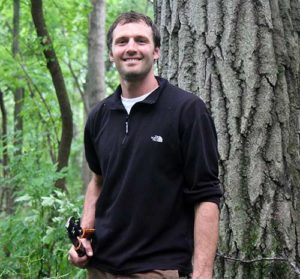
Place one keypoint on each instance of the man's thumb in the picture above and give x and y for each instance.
(88, 248)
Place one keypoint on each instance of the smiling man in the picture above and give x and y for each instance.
(152, 147)
(133, 52)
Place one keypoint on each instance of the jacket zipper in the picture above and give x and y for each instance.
(126, 129)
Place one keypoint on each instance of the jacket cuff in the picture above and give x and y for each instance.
(209, 192)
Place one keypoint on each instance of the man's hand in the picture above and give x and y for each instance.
(81, 262)
(87, 221)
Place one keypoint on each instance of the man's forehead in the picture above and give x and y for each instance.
(139, 27)
(124, 22)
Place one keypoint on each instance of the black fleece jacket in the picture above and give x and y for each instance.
(156, 163)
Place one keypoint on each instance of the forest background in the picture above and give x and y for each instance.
(241, 57)
(34, 205)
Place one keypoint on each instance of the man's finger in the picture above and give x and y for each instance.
(76, 260)
(87, 246)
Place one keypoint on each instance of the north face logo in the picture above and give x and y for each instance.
(157, 139)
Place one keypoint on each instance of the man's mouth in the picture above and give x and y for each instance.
(131, 59)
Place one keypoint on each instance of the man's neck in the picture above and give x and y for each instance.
(137, 88)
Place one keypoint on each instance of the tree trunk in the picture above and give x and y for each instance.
(59, 85)
(19, 92)
(6, 192)
(5, 158)
(95, 81)
(242, 58)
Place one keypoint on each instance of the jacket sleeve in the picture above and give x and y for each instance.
(200, 154)
(89, 146)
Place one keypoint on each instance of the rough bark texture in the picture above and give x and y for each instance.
(95, 81)
(243, 58)
(19, 92)
(59, 85)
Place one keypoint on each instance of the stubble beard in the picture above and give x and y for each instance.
(135, 75)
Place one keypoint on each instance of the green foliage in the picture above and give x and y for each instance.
(34, 243)
(115, 7)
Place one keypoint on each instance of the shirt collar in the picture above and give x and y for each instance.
(114, 101)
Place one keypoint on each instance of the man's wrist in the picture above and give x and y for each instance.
(204, 271)
(201, 274)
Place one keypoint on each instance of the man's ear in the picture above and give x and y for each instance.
(111, 58)
(156, 53)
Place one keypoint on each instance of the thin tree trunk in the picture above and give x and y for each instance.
(19, 92)
(95, 81)
(59, 85)
(18, 125)
(5, 158)
(242, 58)
(6, 193)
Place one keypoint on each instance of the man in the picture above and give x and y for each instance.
(152, 147)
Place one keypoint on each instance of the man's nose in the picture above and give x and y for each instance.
(131, 46)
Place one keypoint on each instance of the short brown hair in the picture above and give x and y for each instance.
(129, 17)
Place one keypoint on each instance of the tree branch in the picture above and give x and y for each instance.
(260, 259)
(30, 82)
(69, 64)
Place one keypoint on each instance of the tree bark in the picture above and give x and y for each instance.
(95, 80)
(242, 58)
(19, 92)
(59, 85)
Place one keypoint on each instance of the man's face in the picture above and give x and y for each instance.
(133, 50)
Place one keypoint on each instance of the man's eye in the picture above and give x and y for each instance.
(121, 42)
(141, 41)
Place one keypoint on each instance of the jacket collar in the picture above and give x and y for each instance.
(114, 101)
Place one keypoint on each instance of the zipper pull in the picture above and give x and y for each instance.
(126, 125)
